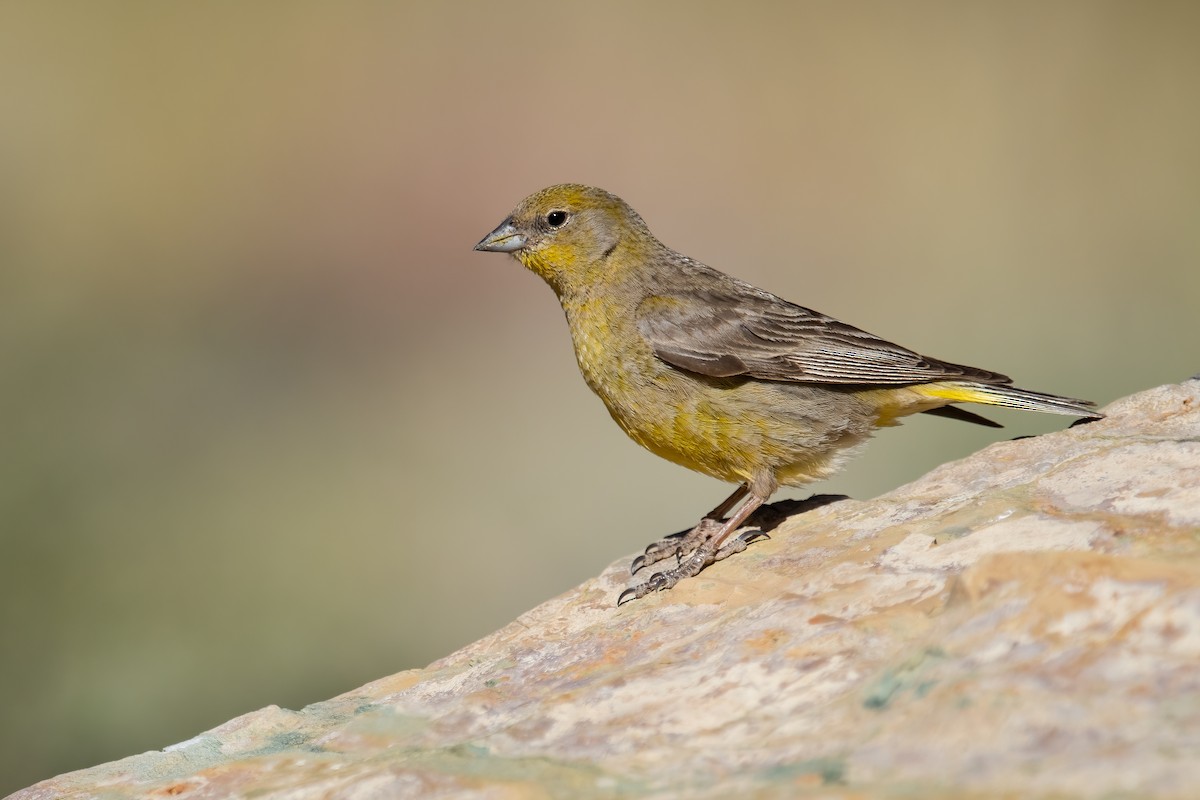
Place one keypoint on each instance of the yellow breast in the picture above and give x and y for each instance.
(673, 415)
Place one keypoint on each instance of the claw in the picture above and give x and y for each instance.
(696, 549)
(753, 535)
(655, 583)
(670, 537)
(676, 545)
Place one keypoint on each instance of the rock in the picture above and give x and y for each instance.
(1025, 621)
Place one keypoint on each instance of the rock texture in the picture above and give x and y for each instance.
(1023, 622)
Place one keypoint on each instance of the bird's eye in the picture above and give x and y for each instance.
(556, 219)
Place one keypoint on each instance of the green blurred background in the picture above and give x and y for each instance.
(271, 429)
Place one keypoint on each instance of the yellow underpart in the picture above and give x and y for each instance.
(956, 393)
(549, 263)
(894, 402)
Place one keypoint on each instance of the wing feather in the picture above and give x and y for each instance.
(738, 329)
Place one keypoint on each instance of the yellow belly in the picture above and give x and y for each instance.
(735, 429)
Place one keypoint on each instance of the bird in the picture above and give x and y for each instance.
(720, 376)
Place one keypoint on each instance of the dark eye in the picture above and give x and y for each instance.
(556, 219)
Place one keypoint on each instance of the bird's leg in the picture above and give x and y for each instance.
(684, 542)
(706, 553)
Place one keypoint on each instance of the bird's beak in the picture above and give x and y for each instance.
(504, 239)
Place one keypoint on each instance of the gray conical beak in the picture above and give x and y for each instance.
(504, 239)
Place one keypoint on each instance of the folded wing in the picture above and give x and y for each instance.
(756, 334)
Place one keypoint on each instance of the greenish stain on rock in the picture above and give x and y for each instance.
(892, 682)
(832, 771)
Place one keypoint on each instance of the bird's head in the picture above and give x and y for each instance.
(567, 234)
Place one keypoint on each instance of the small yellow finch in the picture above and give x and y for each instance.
(719, 376)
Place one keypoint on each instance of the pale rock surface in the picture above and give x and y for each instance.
(1023, 622)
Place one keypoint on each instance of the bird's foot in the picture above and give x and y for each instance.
(704, 554)
(677, 545)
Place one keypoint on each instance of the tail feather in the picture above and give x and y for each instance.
(962, 415)
(1010, 397)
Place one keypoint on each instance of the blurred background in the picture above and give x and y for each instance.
(271, 429)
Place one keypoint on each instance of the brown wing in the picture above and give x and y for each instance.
(740, 330)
